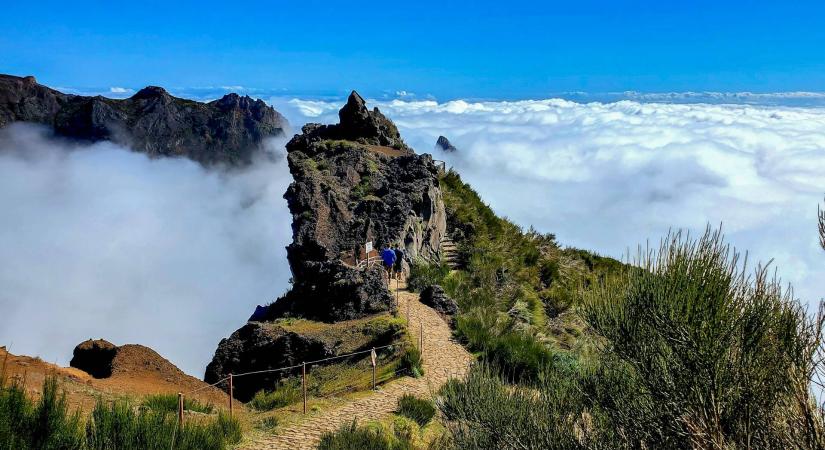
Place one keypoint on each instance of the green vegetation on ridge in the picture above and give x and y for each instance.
(47, 424)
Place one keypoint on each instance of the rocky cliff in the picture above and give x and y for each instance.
(354, 182)
(229, 130)
(347, 193)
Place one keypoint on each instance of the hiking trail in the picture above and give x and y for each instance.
(443, 359)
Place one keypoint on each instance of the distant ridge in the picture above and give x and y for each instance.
(229, 130)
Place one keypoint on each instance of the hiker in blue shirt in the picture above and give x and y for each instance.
(388, 257)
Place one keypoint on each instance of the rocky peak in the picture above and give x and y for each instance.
(444, 144)
(151, 92)
(152, 121)
(358, 123)
(350, 186)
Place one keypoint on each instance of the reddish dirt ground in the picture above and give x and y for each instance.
(137, 371)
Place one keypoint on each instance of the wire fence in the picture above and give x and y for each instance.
(229, 380)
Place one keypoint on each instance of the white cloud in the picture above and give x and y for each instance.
(120, 90)
(97, 241)
(233, 88)
(609, 176)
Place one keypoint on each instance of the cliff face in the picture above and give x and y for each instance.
(349, 192)
(229, 130)
(354, 182)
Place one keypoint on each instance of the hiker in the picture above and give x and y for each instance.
(399, 262)
(388, 256)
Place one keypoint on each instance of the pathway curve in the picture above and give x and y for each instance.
(443, 359)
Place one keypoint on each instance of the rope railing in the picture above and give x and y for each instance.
(231, 377)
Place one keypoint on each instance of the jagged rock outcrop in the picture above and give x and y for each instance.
(444, 144)
(354, 182)
(346, 194)
(94, 357)
(261, 346)
(229, 130)
(435, 297)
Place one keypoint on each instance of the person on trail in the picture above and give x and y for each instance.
(388, 256)
(399, 262)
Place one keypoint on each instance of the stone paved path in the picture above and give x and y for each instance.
(443, 359)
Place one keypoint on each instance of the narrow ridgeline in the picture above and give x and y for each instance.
(354, 182)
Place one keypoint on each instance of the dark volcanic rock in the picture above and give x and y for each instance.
(354, 182)
(94, 357)
(344, 195)
(229, 130)
(435, 297)
(257, 346)
(444, 144)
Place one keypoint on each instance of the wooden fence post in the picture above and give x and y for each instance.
(304, 384)
(373, 357)
(421, 339)
(180, 409)
(231, 394)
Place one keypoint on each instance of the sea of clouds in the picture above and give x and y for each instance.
(98, 241)
(611, 176)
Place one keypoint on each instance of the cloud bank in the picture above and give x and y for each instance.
(98, 241)
(609, 176)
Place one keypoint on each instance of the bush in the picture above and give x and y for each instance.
(721, 359)
(288, 392)
(353, 437)
(417, 409)
(169, 403)
(424, 275)
(45, 424)
(119, 426)
(483, 412)
(411, 360)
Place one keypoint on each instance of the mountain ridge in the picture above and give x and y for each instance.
(230, 130)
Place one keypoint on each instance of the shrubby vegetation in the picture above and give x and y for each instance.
(398, 434)
(169, 403)
(44, 424)
(120, 426)
(688, 351)
(47, 423)
(514, 289)
(417, 409)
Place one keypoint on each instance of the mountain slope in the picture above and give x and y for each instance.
(225, 131)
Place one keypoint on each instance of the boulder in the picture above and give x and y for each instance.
(94, 357)
(435, 297)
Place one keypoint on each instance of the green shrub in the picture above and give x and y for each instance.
(286, 393)
(120, 426)
(411, 361)
(417, 409)
(47, 424)
(722, 359)
(169, 403)
(267, 423)
(44, 424)
(483, 412)
(424, 274)
(353, 437)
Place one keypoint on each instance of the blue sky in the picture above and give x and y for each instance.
(482, 49)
